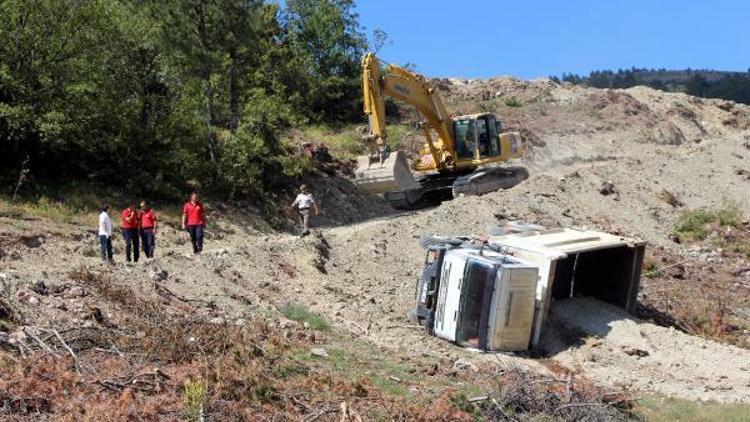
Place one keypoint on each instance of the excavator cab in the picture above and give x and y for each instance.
(477, 136)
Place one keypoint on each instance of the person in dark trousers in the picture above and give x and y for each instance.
(130, 231)
(105, 234)
(194, 220)
(147, 218)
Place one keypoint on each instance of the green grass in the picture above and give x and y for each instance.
(40, 208)
(650, 268)
(345, 143)
(301, 314)
(729, 216)
(660, 409)
(359, 361)
(691, 225)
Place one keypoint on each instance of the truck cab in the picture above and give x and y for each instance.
(477, 298)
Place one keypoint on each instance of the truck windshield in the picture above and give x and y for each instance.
(466, 138)
(475, 287)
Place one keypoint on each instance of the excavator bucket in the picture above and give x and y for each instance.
(390, 176)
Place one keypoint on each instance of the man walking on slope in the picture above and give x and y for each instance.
(129, 226)
(302, 204)
(148, 229)
(105, 234)
(194, 220)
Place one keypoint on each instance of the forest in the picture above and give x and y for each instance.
(733, 86)
(157, 96)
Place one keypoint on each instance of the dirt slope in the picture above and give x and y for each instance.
(618, 349)
(360, 276)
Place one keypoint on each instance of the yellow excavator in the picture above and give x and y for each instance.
(460, 155)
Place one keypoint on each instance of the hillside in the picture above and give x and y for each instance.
(733, 86)
(636, 162)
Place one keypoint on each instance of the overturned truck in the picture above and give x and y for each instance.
(495, 294)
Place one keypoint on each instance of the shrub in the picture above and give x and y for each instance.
(513, 102)
(729, 216)
(650, 268)
(691, 224)
(195, 396)
(301, 314)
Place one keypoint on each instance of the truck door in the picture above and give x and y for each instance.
(512, 310)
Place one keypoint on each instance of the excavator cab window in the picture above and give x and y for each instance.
(483, 136)
(494, 136)
(466, 137)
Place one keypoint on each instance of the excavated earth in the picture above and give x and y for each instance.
(359, 267)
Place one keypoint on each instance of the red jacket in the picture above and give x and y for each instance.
(148, 219)
(133, 224)
(195, 216)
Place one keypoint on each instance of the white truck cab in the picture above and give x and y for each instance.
(486, 300)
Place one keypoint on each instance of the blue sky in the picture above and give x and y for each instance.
(475, 38)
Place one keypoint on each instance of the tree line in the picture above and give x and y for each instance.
(734, 86)
(154, 96)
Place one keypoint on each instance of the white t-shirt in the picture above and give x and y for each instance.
(105, 225)
(303, 201)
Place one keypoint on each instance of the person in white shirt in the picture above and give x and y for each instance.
(105, 234)
(303, 203)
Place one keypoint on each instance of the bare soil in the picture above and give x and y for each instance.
(359, 267)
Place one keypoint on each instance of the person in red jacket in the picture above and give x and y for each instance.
(130, 223)
(148, 229)
(194, 220)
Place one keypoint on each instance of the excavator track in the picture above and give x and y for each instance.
(490, 179)
(437, 188)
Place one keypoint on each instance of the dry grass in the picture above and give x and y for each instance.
(158, 359)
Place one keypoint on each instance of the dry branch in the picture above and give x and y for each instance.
(73, 355)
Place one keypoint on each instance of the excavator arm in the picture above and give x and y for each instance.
(412, 89)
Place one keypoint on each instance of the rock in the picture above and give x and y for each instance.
(159, 275)
(40, 288)
(97, 315)
(632, 351)
(218, 321)
(608, 188)
(32, 242)
(319, 352)
(18, 336)
(464, 365)
(74, 291)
